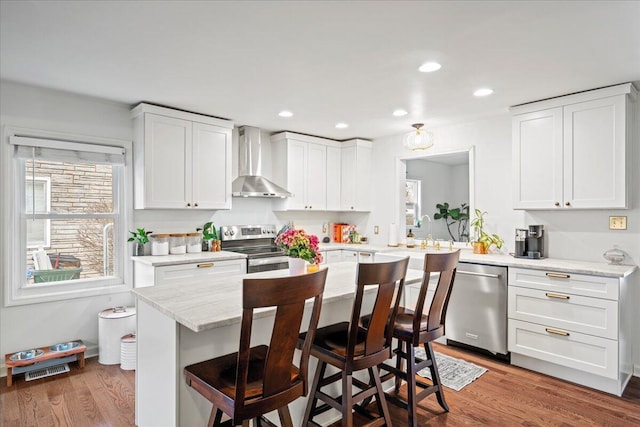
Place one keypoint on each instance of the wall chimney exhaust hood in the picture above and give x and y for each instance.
(250, 182)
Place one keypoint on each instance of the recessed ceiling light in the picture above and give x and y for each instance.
(341, 125)
(483, 92)
(400, 112)
(285, 113)
(429, 67)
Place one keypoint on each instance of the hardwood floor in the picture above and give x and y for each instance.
(504, 396)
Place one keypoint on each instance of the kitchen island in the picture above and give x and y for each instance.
(180, 324)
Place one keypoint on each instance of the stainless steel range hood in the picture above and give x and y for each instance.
(250, 182)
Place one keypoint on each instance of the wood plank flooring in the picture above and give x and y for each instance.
(504, 396)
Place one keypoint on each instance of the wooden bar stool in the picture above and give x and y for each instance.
(413, 328)
(257, 380)
(350, 347)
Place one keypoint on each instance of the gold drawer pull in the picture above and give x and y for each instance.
(205, 265)
(557, 332)
(559, 275)
(365, 254)
(559, 296)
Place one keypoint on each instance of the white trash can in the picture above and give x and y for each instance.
(113, 323)
(128, 352)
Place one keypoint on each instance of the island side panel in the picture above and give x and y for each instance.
(156, 379)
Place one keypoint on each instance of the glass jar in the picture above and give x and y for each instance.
(178, 243)
(159, 244)
(194, 242)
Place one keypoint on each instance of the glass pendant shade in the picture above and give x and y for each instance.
(420, 139)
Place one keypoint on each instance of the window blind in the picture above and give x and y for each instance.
(58, 150)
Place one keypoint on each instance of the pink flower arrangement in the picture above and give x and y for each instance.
(298, 244)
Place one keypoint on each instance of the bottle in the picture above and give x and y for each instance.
(410, 241)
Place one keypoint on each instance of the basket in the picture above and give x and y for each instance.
(40, 276)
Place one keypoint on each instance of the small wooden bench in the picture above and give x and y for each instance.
(47, 356)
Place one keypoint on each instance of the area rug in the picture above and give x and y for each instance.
(454, 373)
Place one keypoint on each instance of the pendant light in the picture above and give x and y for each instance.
(420, 139)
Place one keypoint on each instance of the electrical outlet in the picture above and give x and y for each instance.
(376, 229)
(617, 223)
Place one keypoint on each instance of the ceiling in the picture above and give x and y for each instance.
(326, 61)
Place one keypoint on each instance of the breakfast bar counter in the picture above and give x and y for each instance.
(179, 324)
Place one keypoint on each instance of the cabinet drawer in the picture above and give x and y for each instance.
(576, 284)
(595, 355)
(198, 272)
(577, 313)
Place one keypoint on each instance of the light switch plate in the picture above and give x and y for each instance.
(376, 229)
(617, 223)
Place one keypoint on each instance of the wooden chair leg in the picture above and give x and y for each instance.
(399, 364)
(383, 409)
(411, 386)
(347, 399)
(215, 417)
(436, 376)
(313, 400)
(285, 417)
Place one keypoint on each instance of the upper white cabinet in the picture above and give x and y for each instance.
(181, 160)
(572, 152)
(355, 194)
(300, 166)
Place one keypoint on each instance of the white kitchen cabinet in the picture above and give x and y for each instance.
(300, 165)
(147, 274)
(358, 256)
(572, 326)
(181, 160)
(572, 152)
(355, 187)
(332, 257)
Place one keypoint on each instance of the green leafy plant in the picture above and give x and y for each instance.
(481, 236)
(208, 231)
(139, 236)
(451, 217)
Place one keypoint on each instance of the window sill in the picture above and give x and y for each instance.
(30, 295)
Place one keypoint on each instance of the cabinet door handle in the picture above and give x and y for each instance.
(557, 203)
(205, 265)
(567, 204)
(365, 254)
(559, 296)
(558, 275)
(310, 207)
(188, 205)
(557, 332)
(195, 205)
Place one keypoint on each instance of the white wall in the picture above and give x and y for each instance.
(37, 325)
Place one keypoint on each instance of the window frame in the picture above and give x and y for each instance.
(16, 291)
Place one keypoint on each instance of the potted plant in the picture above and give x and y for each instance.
(140, 237)
(210, 240)
(483, 241)
(451, 216)
(299, 247)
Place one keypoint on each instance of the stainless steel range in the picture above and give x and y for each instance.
(257, 242)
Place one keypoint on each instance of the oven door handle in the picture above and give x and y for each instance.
(268, 260)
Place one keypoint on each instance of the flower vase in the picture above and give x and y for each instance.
(297, 266)
(138, 249)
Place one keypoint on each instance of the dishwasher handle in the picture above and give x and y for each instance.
(473, 273)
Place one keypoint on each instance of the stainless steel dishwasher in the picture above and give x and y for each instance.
(477, 311)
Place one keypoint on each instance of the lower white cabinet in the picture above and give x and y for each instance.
(571, 326)
(193, 272)
(346, 255)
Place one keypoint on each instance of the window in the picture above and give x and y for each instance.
(412, 202)
(68, 219)
(37, 194)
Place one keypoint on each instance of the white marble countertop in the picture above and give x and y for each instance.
(218, 303)
(159, 260)
(467, 255)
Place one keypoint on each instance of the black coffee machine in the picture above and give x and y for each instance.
(530, 242)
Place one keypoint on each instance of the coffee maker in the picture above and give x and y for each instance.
(530, 242)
